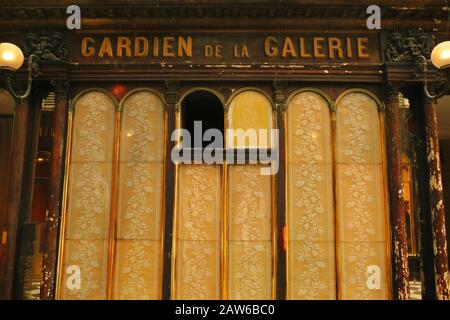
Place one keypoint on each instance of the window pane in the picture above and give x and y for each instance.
(362, 222)
(249, 234)
(137, 270)
(250, 113)
(198, 233)
(89, 196)
(311, 259)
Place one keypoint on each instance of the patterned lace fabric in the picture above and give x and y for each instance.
(310, 207)
(137, 246)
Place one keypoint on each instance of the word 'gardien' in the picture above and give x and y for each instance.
(167, 47)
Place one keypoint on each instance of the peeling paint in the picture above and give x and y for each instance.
(241, 65)
(216, 66)
(400, 249)
(437, 205)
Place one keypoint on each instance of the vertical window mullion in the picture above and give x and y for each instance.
(113, 205)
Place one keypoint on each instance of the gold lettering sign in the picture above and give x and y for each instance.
(270, 48)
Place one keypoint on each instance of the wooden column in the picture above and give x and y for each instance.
(6, 129)
(52, 219)
(397, 201)
(436, 202)
(279, 88)
(169, 185)
(9, 228)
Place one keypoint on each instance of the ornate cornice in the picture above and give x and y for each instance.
(213, 14)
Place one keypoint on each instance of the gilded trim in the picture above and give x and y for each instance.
(385, 191)
(147, 89)
(64, 206)
(331, 104)
(173, 278)
(286, 199)
(191, 90)
(337, 259)
(72, 109)
(173, 275)
(225, 193)
(229, 110)
(360, 90)
(113, 207)
(75, 99)
(163, 203)
(274, 235)
(240, 90)
(386, 198)
(224, 235)
(274, 220)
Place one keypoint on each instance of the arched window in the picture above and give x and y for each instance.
(250, 220)
(336, 198)
(361, 208)
(112, 224)
(249, 120)
(86, 227)
(223, 246)
(204, 108)
(310, 207)
(138, 245)
(196, 252)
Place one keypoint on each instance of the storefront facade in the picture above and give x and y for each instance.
(97, 208)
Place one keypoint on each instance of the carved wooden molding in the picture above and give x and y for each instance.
(94, 13)
(279, 89)
(47, 45)
(61, 88)
(407, 45)
(172, 93)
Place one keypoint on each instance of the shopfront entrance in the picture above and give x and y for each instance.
(220, 153)
(223, 238)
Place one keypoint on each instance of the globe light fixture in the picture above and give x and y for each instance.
(11, 59)
(440, 58)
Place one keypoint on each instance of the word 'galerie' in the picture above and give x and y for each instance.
(302, 47)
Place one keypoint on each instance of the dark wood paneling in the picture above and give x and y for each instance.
(55, 186)
(17, 162)
(6, 128)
